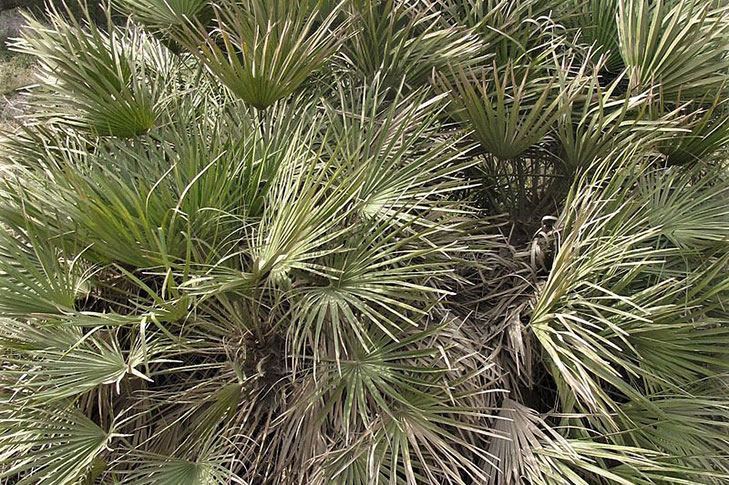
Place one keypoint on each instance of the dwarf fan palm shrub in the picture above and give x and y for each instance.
(360, 242)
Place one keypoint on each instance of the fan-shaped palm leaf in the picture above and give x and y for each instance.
(37, 278)
(623, 324)
(510, 109)
(101, 81)
(263, 51)
(167, 18)
(681, 46)
(51, 445)
(402, 42)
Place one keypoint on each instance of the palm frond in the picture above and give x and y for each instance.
(400, 42)
(597, 22)
(53, 445)
(525, 433)
(408, 163)
(379, 278)
(101, 81)
(680, 45)
(704, 129)
(510, 109)
(208, 468)
(615, 328)
(167, 19)
(363, 242)
(263, 51)
(509, 29)
(416, 425)
(599, 123)
(36, 277)
(49, 374)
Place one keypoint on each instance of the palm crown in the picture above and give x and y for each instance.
(368, 242)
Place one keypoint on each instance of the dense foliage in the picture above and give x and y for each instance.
(395, 242)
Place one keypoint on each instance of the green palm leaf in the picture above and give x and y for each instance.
(509, 109)
(597, 22)
(49, 445)
(101, 81)
(37, 278)
(403, 42)
(166, 18)
(263, 51)
(680, 45)
(630, 324)
(206, 469)
(92, 361)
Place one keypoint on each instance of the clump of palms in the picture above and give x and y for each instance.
(368, 242)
